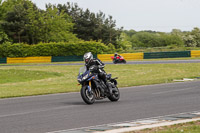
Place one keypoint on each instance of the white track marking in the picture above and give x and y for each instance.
(173, 90)
(62, 131)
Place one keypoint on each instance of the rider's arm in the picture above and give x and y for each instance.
(100, 63)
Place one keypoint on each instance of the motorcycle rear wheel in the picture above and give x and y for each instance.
(88, 97)
(115, 62)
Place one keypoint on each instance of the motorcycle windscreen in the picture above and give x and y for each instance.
(82, 70)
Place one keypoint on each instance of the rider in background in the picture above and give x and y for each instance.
(116, 55)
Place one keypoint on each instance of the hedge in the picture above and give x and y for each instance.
(52, 49)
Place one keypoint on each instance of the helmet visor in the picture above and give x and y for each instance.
(86, 60)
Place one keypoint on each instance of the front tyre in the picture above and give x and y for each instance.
(88, 97)
(114, 94)
(124, 61)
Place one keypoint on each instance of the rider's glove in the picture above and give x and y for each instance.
(93, 68)
(100, 67)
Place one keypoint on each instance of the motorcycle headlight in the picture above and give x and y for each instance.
(79, 80)
(85, 76)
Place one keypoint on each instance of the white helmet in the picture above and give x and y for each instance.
(88, 57)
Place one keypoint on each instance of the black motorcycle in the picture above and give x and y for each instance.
(93, 88)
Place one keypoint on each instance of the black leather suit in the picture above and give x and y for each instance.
(100, 65)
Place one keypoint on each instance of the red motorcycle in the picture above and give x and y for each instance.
(118, 59)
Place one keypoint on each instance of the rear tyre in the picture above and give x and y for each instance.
(114, 61)
(114, 94)
(88, 97)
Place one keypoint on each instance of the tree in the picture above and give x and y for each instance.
(91, 26)
(192, 39)
(57, 26)
(153, 39)
(7, 6)
(34, 25)
(1, 12)
(196, 33)
(177, 32)
(145, 39)
(24, 22)
(15, 20)
(3, 37)
(124, 41)
(130, 32)
(172, 39)
(189, 40)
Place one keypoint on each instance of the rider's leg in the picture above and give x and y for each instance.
(103, 76)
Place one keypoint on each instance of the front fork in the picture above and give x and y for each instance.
(89, 86)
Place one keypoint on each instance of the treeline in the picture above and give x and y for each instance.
(177, 38)
(22, 24)
(21, 21)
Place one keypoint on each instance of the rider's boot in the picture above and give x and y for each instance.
(107, 89)
(102, 93)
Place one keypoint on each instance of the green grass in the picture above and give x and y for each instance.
(18, 81)
(134, 75)
(14, 75)
(191, 127)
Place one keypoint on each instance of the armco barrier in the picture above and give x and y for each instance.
(105, 57)
(177, 54)
(68, 58)
(41, 59)
(3, 60)
(127, 56)
(133, 56)
(195, 53)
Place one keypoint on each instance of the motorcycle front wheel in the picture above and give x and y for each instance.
(124, 61)
(114, 94)
(87, 96)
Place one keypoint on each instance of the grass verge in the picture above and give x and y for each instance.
(18, 81)
(191, 127)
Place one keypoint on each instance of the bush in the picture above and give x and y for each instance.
(52, 49)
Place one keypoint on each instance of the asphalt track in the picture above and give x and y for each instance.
(128, 62)
(40, 114)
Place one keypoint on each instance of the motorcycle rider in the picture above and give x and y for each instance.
(115, 56)
(90, 61)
